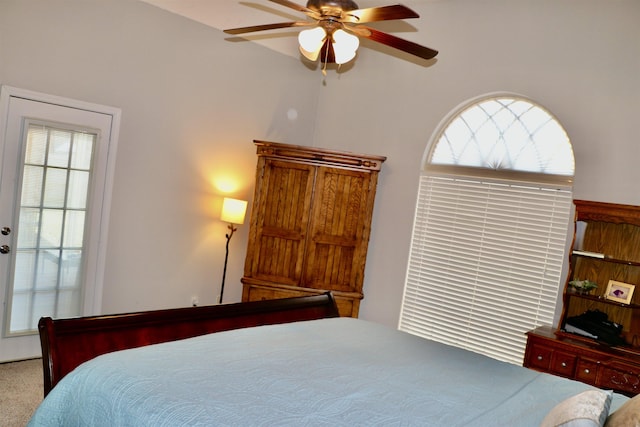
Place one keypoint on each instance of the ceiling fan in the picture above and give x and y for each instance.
(336, 26)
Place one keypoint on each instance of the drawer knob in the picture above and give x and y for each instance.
(563, 364)
(539, 357)
(587, 371)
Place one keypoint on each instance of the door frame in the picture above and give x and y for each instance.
(92, 301)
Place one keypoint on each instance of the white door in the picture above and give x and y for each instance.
(56, 169)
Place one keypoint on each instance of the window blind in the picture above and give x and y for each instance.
(485, 263)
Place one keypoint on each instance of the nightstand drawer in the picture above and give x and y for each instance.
(539, 357)
(562, 363)
(620, 378)
(587, 371)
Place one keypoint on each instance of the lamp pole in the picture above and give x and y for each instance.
(233, 211)
(226, 257)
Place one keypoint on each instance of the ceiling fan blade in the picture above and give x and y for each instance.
(296, 6)
(396, 42)
(358, 30)
(383, 13)
(264, 27)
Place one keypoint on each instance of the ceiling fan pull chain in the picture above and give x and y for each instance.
(326, 56)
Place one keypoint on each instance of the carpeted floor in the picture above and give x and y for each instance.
(20, 391)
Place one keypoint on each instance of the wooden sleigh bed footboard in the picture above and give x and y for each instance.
(66, 343)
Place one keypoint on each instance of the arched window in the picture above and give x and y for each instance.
(490, 228)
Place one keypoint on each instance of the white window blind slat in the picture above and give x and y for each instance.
(485, 263)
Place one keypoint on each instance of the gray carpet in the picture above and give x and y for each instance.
(20, 391)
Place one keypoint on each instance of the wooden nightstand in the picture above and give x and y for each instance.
(585, 360)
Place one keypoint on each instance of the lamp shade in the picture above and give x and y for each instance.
(311, 42)
(233, 210)
(344, 46)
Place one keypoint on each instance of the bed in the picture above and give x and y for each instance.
(287, 362)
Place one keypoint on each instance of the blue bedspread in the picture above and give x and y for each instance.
(330, 372)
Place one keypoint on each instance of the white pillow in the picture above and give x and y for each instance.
(587, 409)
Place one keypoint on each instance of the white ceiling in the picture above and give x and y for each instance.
(225, 14)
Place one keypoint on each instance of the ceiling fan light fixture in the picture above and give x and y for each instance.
(345, 46)
(311, 42)
(336, 26)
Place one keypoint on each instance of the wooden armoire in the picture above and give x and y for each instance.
(310, 224)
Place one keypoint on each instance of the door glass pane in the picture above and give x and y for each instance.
(29, 227)
(70, 271)
(74, 229)
(25, 270)
(51, 228)
(82, 151)
(55, 185)
(47, 269)
(32, 185)
(59, 148)
(40, 303)
(51, 231)
(78, 185)
(20, 315)
(36, 145)
(68, 303)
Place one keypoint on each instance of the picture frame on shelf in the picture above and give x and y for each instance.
(619, 292)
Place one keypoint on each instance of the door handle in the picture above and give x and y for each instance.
(5, 249)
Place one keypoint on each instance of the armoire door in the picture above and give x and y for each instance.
(339, 230)
(279, 233)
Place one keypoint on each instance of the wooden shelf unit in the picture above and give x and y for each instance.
(606, 247)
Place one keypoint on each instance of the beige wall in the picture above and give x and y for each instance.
(579, 59)
(192, 102)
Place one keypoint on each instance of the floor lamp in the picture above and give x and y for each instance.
(233, 211)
